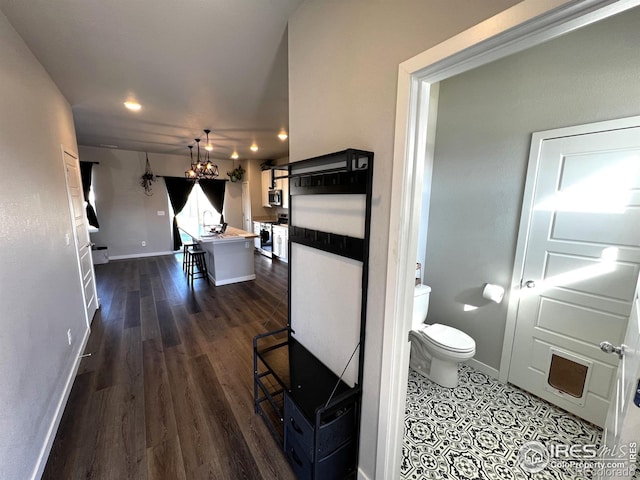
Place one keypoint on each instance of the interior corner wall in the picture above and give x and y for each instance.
(126, 215)
(343, 70)
(41, 293)
(485, 121)
(254, 177)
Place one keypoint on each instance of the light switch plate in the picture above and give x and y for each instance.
(161, 213)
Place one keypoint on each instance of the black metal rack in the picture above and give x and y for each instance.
(311, 412)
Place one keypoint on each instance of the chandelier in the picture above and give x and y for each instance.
(201, 168)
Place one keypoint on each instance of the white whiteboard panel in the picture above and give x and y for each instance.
(341, 214)
(326, 292)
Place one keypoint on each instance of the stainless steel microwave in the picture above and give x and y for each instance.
(275, 197)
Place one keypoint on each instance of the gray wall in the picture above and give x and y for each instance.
(343, 68)
(40, 289)
(127, 216)
(485, 121)
(253, 176)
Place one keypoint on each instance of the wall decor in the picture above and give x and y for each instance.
(147, 178)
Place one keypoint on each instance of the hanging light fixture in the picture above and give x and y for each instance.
(201, 168)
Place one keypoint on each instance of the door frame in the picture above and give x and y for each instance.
(522, 26)
(537, 140)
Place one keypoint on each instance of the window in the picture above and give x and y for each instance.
(194, 211)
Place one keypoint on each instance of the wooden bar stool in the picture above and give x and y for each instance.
(196, 266)
(185, 254)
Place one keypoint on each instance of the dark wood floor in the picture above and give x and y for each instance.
(167, 392)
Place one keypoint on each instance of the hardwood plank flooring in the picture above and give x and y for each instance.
(167, 392)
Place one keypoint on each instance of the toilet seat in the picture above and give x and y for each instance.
(448, 338)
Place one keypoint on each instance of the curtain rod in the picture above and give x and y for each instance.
(173, 176)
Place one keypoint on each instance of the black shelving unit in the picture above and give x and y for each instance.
(311, 412)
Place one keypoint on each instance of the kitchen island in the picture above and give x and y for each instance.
(229, 255)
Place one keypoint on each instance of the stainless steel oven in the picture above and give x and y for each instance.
(266, 238)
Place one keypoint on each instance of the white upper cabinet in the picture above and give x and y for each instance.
(266, 186)
(283, 184)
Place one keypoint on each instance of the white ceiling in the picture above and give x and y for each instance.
(192, 64)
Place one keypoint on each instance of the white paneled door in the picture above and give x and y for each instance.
(581, 266)
(247, 221)
(81, 234)
(623, 419)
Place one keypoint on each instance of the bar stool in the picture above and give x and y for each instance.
(196, 266)
(185, 254)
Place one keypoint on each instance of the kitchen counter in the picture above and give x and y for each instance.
(204, 235)
(229, 255)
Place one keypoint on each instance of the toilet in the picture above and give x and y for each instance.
(436, 350)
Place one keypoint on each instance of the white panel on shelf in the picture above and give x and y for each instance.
(341, 214)
(326, 294)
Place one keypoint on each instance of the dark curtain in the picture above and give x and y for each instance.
(178, 190)
(214, 190)
(85, 174)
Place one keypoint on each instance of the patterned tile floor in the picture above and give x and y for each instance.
(475, 431)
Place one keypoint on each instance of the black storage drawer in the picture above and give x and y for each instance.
(301, 465)
(338, 465)
(335, 429)
(297, 427)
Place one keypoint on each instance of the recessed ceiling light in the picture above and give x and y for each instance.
(283, 135)
(254, 147)
(133, 106)
(106, 145)
(234, 155)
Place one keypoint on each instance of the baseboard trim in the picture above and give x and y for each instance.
(227, 281)
(140, 255)
(484, 368)
(53, 428)
(361, 475)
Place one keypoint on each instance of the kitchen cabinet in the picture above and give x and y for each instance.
(307, 376)
(281, 242)
(256, 230)
(267, 179)
(282, 184)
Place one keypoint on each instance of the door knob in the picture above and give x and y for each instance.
(608, 347)
(530, 284)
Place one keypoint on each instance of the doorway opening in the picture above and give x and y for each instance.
(525, 25)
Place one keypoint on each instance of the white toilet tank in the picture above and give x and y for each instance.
(420, 305)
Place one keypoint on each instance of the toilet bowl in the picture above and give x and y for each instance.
(436, 350)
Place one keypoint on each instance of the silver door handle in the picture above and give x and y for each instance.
(608, 347)
(530, 284)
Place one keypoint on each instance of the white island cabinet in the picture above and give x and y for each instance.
(281, 242)
(229, 255)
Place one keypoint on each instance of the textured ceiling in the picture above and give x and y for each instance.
(192, 64)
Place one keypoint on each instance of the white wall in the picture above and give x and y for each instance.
(126, 215)
(485, 121)
(343, 67)
(40, 290)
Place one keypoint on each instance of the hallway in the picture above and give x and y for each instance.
(167, 392)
